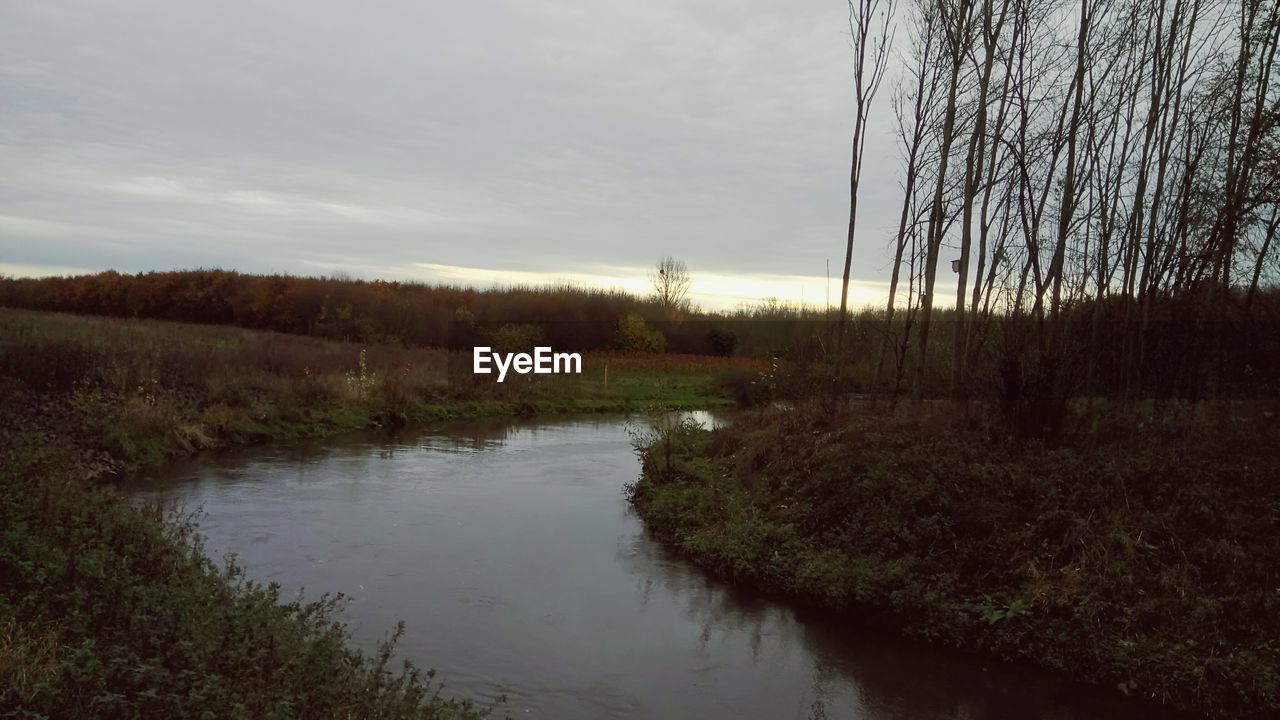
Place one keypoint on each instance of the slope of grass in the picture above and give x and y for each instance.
(108, 611)
(1144, 554)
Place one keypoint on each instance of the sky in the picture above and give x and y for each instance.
(478, 142)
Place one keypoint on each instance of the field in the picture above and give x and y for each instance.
(107, 610)
(153, 389)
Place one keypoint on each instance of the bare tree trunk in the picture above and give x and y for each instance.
(874, 49)
(973, 169)
(956, 24)
(923, 93)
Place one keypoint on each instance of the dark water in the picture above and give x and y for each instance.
(509, 550)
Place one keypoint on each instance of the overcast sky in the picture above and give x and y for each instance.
(478, 141)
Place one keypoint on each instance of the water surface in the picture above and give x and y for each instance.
(510, 552)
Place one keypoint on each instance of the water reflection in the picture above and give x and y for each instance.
(520, 570)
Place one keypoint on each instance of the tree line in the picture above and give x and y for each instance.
(365, 311)
(568, 317)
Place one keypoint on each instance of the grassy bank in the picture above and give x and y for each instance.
(109, 611)
(1142, 553)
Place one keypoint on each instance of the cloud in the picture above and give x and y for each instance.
(546, 138)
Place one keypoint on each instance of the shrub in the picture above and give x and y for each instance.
(511, 338)
(635, 335)
(746, 386)
(721, 341)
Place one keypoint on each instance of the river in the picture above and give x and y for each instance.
(510, 552)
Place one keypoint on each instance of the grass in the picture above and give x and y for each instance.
(111, 611)
(1139, 553)
(151, 390)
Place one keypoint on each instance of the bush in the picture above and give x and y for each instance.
(747, 387)
(636, 336)
(721, 341)
(508, 339)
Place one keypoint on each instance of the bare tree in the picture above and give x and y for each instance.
(957, 27)
(991, 23)
(1105, 166)
(871, 55)
(671, 282)
(919, 90)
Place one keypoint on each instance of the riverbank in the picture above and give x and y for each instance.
(111, 611)
(107, 610)
(1142, 556)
